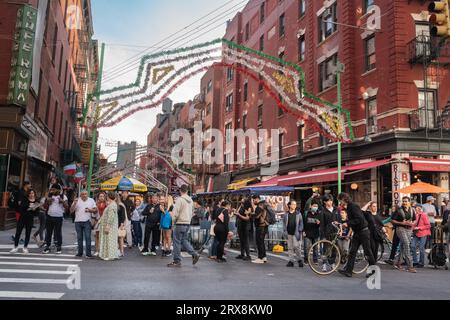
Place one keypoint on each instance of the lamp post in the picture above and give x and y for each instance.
(339, 69)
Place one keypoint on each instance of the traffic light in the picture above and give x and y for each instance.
(440, 18)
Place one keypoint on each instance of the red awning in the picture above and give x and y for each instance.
(268, 183)
(310, 177)
(431, 165)
(367, 165)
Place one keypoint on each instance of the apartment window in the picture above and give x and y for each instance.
(370, 57)
(60, 128)
(61, 54)
(209, 87)
(38, 100)
(229, 103)
(371, 115)
(262, 12)
(65, 76)
(260, 86)
(427, 108)
(245, 93)
(301, 8)
(47, 107)
(55, 42)
(282, 22)
(65, 12)
(327, 22)
(46, 22)
(367, 4)
(65, 135)
(208, 109)
(327, 73)
(243, 151)
(55, 115)
(260, 116)
(280, 145)
(301, 48)
(280, 110)
(244, 122)
(230, 72)
(247, 31)
(228, 129)
(258, 150)
(261, 43)
(301, 137)
(323, 141)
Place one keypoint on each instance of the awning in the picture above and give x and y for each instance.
(241, 184)
(264, 190)
(431, 165)
(268, 183)
(43, 164)
(310, 177)
(366, 166)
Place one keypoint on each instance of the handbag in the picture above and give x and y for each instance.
(122, 233)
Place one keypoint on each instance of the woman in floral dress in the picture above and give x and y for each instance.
(108, 230)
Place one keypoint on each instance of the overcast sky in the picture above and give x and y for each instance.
(130, 27)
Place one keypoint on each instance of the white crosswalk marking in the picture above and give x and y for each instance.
(41, 272)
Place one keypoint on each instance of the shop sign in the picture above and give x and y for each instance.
(37, 146)
(85, 151)
(400, 180)
(22, 57)
(278, 203)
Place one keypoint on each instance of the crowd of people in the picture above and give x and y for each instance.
(116, 222)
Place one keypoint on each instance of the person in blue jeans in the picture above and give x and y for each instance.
(84, 208)
(136, 218)
(166, 226)
(182, 215)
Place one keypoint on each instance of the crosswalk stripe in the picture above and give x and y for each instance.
(37, 255)
(31, 295)
(35, 271)
(39, 259)
(37, 264)
(35, 281)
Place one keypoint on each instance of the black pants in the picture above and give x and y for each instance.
(360, 238)
(151, 230)
(25, 221)
(40, 232)
(54, 225)
(395, 244)
(221, 236)
(260, 236)
(374, 244)
(244, 234)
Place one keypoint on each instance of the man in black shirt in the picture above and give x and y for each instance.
(151, 225)
(243, 228)
(361, 234)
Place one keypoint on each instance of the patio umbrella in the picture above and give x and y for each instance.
(422, 187)
(121, 183)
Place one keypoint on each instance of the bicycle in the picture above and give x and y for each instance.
(329, 256)
(385, 243)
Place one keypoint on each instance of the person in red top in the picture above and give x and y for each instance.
(422, 230)
(101, 206)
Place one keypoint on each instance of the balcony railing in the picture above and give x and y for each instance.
(430, 119)
(421, 50)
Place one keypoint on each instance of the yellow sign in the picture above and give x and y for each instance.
(334, 123)
(285, 81)
(85, 147)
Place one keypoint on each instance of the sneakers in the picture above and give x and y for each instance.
(145, 254)
(15, 250)
(212, 258)
(412, 270)
(247, 259)
(78, 255)
(389, 261)
(153, 253)
(25, 251)
(221, 260)
(300, 264)
(96, 254)
(195, 259)
(265, 260)
(46, 251)
(345, 273)
(290, 264)
(324, 268)
(258, 261)
(240, 257)
(174, 265)
(58, 251)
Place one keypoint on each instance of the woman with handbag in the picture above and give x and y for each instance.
(101, 206)
(123, 221)
(108, 230)
(421, 232)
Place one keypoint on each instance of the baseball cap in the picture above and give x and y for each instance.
(430, 198)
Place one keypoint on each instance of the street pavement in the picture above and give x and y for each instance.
(135, 277)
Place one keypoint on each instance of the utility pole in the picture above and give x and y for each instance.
(339, 69)
(94, 131)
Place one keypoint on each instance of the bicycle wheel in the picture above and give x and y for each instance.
(361, 263)
(380, 252)
(329, 260)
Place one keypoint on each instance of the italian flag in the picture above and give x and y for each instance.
(71, 169)
(79, 177)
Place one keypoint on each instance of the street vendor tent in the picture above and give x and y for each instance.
(121, 183)
(422, 187)
(276, 190)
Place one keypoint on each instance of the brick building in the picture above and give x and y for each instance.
(395, 113)
(39, 133)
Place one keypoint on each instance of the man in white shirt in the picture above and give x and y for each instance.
(57, 205)
(430, 209)
(83, 208)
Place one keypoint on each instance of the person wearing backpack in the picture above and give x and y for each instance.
(262, 228)
(293, 228)
(421, 232)
(16, 200)
(221, 229)
(311, 234)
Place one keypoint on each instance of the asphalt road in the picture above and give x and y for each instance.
(135, 277)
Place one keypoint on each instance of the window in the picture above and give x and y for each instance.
(38, 100)
(301, 48)
(327, 22)
(258, 150)
(367, 4)
(262, 12)
(370, 57)
(282, 29)
(229, 103)
(208, 109)
(371, 116)
(301, 8)
(60, 128)
(245, 94)
(260, 86)
(427, 108)
(423, 43)
(280, 110)
(65, 136)
(65, 76)
(55, 42)
(244, 122)
(247, 31)
(327, 73)
(47, 107)
(61, 54)
(260, 116)
(228, 129)
(243, 151)
(209, 88)
(280, 145)
(261, 43)
(55, 115)
(230, 72)
(301, 137)
(323, 141)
